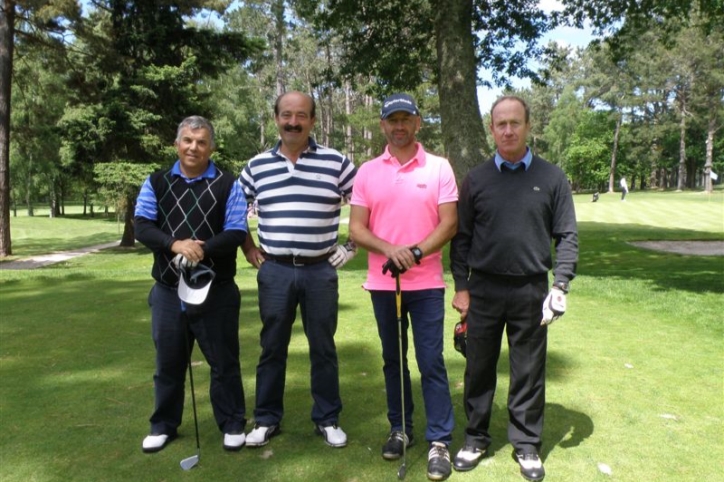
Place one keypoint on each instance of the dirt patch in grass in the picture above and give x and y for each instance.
(696, 248)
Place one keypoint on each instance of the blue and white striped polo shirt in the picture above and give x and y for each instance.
(299, 203)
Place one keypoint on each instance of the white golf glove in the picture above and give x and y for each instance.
(180, 262)
(554, 306)
(342, 253)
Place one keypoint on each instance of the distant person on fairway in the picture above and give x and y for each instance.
(189, 214)
(299, 186)
(624, 188)
(404, 210)
(512, 208)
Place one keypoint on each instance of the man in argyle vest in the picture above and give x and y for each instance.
(189, 214)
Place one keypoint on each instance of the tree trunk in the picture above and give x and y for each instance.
(329, 128)
(278, 11)
(7, 33)
(29, 204)
(614, 152)
(463, 132)
(708, 187)
(128, 239)
(682, 149)
(368, 132)
(348, 139)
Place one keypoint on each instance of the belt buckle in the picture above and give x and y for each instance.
(294, 261)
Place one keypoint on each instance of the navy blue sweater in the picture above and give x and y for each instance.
(508, 220)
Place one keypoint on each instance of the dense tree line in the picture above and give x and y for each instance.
(97, 94)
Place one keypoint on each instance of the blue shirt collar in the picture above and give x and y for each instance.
(209, 173)
(499, 161)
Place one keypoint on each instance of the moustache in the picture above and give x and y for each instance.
(289, 128)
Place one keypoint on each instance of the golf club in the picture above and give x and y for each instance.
(190, 462)
(398, 301)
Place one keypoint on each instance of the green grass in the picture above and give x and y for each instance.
(634, 379)
(41, 234)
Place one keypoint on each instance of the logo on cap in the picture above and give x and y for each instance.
(398, 103)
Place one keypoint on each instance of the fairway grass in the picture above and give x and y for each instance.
(635, 383)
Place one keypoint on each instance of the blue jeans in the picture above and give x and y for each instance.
(314, 288)
(425, 311)
(215, 326)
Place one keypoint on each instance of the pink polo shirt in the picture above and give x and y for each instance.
(403, 203)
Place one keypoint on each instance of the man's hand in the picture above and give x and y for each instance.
(254, 256)
(554, 306)
(181, 263)
(392, 267)
(191, 249)
(342, 254)
(461, 303)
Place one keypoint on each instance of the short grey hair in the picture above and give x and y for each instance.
(515, 98)
(195, 122)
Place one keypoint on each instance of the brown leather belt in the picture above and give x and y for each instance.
(296, 260)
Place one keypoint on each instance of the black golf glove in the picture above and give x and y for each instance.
(392, 267)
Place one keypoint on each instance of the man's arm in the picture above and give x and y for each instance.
(359, 218)
(235, 228)
(462, 241)
(251, 252)
(565, 235)
(444, 231)
(459, 249)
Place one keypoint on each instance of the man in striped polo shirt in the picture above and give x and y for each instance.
(299, 187)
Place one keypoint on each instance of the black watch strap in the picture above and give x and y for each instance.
(417, 253)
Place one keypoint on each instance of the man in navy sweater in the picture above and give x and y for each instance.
(511, 209)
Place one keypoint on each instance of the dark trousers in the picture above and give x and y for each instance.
(314, 289)
(215, 327)
(424, 310)
(513, 304)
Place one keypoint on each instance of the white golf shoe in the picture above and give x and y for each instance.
(234, 441)
(333, 435)
(155, 442)
(260, 435)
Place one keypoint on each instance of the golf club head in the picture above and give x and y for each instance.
(401, 473)
(190, 462)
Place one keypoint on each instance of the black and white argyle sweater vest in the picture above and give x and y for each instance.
(192, 210)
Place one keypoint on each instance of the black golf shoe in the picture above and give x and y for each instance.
(468, 458)
(392, 450)
(438, 462)
(531, 466)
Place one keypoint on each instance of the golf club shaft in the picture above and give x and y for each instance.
(191, 378)
(193, 404)
(398, 302)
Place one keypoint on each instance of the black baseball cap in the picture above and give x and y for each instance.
(398, 103)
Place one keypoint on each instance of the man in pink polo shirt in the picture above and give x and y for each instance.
(404, 210)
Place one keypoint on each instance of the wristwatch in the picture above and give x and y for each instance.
(417, 253)
(561, 285)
